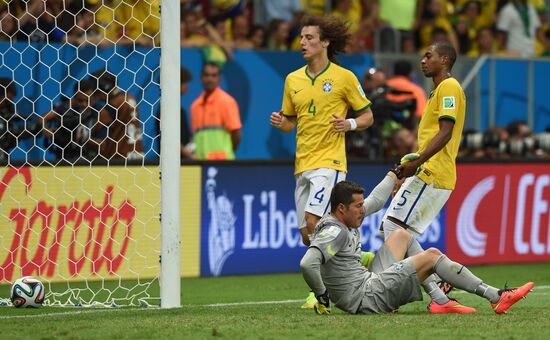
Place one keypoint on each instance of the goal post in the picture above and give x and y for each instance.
(170, 154)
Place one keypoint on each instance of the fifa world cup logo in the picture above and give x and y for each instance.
(221, 232)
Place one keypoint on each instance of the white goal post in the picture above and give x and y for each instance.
(170, 154)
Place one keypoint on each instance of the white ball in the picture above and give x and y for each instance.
(27, 292)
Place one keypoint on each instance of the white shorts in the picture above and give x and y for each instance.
(417, 204)
(312, 194)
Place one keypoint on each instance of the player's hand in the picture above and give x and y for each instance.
(276, 119)
(323, 304)
(408, 165)
(340, 124)
(407, 169)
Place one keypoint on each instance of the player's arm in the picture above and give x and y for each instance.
(311, 270)
(285, 119)
(355, 96)
(282, 122)
(436, 144)
(380, 194)
(364, 119)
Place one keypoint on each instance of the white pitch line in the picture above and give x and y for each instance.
(73, 313)
(244, 303)
(229, 304)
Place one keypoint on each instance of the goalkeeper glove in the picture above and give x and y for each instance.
(323, 304)
(409, 157)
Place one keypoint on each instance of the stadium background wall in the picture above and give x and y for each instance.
(239, 218)
(255, 78)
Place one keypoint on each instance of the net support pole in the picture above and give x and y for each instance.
(170, 154)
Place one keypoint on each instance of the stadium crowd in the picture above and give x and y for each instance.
(473, 27)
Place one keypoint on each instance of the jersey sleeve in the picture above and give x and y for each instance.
(287, 107)
(448, 100)
(232, 117)
(355, 95)
(329, 240)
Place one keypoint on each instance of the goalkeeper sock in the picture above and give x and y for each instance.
(456, 274)
(488, 292)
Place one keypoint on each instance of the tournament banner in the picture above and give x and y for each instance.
(500, 214)
(249, 223)
(79, 223)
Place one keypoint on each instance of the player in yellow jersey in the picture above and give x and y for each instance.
(431, 177)
(316, 100)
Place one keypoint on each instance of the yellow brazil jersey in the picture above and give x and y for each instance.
(313, 101)
(447, 101)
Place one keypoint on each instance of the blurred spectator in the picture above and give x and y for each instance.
(85, 31)
(220, 10)
(518, 21)
(37, 24)
(258, 36)
(8, 25)
(484, 44)
(13, 128)
(118, 118)
(363, 39)
(215, 119)
(433, 16)
(369, 143)
(402, 82)
(349, 10)
(240, 30)
(317, 7)
(266, 11)
(186, 145)
(373, 81)
(278, 35)
(135, 22)
(403, 141)
(408, 44)
(64, 127)
(197, 32)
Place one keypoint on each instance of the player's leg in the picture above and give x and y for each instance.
(321, 182)
(301, 194)
(413, 208)
(432, 260)
(312, 197)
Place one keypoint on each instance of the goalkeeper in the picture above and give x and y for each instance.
(332, 268)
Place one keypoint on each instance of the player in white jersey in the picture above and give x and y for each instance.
(332, 264)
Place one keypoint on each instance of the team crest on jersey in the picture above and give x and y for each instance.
(448, 103)
(327, 86)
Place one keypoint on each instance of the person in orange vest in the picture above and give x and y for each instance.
(215, 119)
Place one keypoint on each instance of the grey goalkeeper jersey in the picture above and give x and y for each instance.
(341, 270)
(334, 255)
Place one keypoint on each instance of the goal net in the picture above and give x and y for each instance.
(80, 189)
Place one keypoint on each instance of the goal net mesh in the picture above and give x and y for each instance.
(80, 188)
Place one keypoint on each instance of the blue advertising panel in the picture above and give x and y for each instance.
(249, 223)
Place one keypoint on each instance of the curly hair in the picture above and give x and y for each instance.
(333, 29)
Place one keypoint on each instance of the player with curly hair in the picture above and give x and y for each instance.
(316, 100)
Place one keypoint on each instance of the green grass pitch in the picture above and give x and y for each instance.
(267, 307)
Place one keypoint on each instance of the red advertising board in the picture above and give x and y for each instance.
(499, 213)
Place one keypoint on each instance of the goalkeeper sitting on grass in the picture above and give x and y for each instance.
(332, 264)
